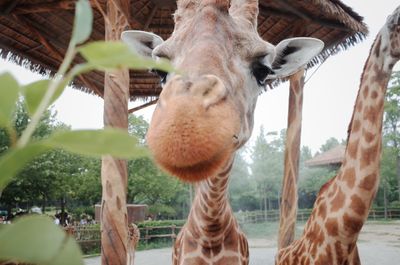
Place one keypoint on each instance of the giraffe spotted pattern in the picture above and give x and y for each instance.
(343, 203)
(205, 113)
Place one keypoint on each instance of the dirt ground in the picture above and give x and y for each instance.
(379, 244)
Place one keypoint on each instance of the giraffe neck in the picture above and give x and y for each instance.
(211, 215)
(359, 175)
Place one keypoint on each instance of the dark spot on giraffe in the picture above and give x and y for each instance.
(370, 113)
(352, 149)
(212, 228)
(189, 244)
(322, 211)
(321, 260)
(377, 45)
(350, 248)
(369, 182)
(349, 176)
(374, 94)
(206, 251)
(316, 236)
(216, 249)
(329, 253)
(230, 241)
(338, 201)
(332, 226)
(356, 126)
(357, 205)
(352, 224)
(339, 253)
(119, 204)
(109, 190)
(369, 137)
(365, 91)
(369, 155)
(359, 106)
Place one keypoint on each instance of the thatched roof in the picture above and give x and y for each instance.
(35, 33)
(331, 157)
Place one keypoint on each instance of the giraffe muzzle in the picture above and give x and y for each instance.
(192, 130)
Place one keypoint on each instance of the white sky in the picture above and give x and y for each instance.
(328, 97)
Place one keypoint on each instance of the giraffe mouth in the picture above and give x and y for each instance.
(192, 142)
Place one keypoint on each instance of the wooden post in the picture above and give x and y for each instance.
(116, 248)
(288, 209)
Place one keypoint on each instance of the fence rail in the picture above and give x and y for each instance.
(304, 214)
(145, 234)
(89, 236)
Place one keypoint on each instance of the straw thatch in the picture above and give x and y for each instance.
(35, 33)
(331, 157)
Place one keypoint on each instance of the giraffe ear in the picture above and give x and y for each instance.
(141, 41)
(292, 54)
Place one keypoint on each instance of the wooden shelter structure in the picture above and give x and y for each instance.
(331, 158)
(35, 34)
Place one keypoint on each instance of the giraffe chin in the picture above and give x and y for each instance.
(199, 171)
(192, 142)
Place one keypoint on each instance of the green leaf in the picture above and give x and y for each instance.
(36, 239)
(82, 23)
(109, 141)
(15, 159)
(9, 90)
(34, 93)
(115, 55)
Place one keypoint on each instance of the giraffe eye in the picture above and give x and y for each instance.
(161, 74)
(260, 72)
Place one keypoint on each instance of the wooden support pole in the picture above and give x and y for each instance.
(132, 110)
(116, 248)
(288, 207)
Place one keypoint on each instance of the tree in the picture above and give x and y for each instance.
(391, 133)
(165, 195)
(267, 166)
(311, 179)
(242, 187)
(329, 144)
(26, 188)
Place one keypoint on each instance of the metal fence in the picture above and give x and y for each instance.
(304, 214)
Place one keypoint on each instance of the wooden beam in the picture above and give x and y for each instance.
(143, 106)
(9, 7)
(44, 7)
(88, 84)
(150, 17)
(50, 48)
(288, 205)
(56, 54)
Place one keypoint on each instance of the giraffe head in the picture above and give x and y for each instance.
(205, 112)
(391, 34)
